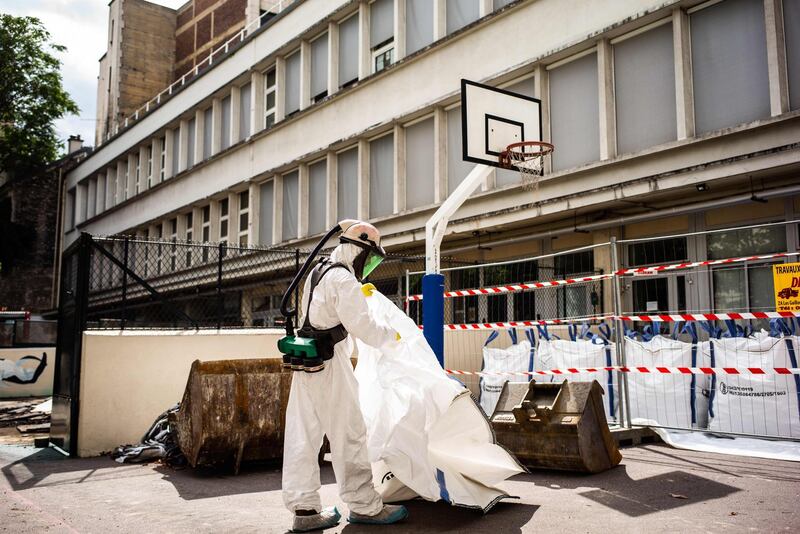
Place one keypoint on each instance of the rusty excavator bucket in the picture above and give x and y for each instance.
(233, 411)
(556, 426)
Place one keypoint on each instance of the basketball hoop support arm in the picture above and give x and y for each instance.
(433, 281)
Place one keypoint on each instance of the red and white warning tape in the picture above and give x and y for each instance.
(514, 288)
(641, 370)
(628, 318)
(689, 265)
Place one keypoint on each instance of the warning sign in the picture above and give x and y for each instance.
(786, 277)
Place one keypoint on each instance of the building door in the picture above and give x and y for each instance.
(657, 295)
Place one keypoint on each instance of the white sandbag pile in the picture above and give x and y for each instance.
(425, 434)
(516, 358)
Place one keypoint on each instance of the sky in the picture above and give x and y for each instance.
(81, 26)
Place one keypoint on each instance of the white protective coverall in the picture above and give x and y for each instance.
(326, 402)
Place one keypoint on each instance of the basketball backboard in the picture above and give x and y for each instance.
(492, 119)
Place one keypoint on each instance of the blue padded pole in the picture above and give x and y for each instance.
(433, 313)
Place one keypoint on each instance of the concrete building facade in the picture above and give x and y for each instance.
(668, 117)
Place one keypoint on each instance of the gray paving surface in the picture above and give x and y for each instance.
(44, 492)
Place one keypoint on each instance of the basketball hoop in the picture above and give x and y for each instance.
(526, 157)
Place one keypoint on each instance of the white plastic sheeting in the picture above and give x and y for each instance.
(738, 445)
(755, 404)
(516, 358)
(425, 434)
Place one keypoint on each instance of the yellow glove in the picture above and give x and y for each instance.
(368, 289)
(397, 337)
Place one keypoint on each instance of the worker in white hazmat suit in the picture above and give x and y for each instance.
(324, 399)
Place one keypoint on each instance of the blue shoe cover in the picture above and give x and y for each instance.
(391, 513)
(327, 518)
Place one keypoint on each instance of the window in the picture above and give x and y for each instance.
(657, 252)
(574, 113)
(460, 13)
(125, 183)
(419, 164)
(290, 198)
(791, 14)
(319, 68)
(270, 88)
(317, 196)
(189, 237)
(746, 242)
(729, 64)
(266, 212)
(574, 300)
(746, 288)
(190, 136)
(292, 94)
(206, 230)
(208, 131)
(162, 169)
(381, 33)
(644, 85)
(244, 217)
(505, 177)
(381, 176)
(244, 111)
(457, 168)
(173, 251)
(419, 24)
(347, 184)
(137, 186)
(176, 151)
(69, 212)
(225, 119)
(348, 51)
(149, 151)
(224, 217)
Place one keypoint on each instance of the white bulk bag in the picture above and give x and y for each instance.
(754, 404)
(665, 399)
(564, 354)
(424, 430)
(516, 358)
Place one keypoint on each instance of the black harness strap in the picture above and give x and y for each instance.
(326, 338)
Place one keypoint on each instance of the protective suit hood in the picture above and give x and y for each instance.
(345, 253)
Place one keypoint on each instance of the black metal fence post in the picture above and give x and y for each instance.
(220, 255)
(124, 281)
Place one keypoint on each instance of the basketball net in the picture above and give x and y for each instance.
(527, 158)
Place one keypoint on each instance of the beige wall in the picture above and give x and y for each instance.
(129, 378)
(43, 385)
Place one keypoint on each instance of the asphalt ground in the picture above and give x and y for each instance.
(655, 489)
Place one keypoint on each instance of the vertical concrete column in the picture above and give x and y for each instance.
(333, 58)
(302, 201)
(214, 217)
(399, 29)
(399, 168)
(439, 155)
(130, 186)
(277, 211)
(170, 155)
(197, 224)
(541, 90)
(121, 183)
(252, 11)
(439, 19)
(256, 102)
(81, 193)
(233, 218)
(183, 150)
(199, 135)
(216, 126)
(485, 7)
(143, 171)
(280, 88)
(684, 92)
(332, 188)
(254, 220)
(100, 199)
(236, 103)
(605, 84)
(363, 179)
(776, 57)
(364, 51)
(155, 151)
(305, 74)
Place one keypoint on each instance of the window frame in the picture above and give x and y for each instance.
(270, 90)
(244, 211)
(386, 47)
